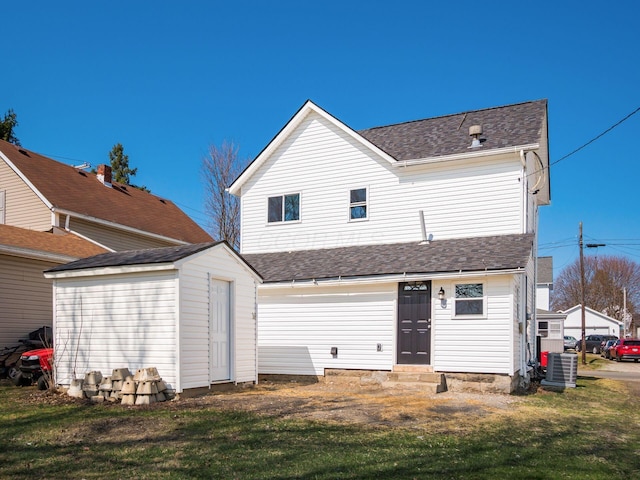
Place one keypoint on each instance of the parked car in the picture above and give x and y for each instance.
(36, 366)
(604, 350)
(569, 342)
(626, 348)
(593, 342)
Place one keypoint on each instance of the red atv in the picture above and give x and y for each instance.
(36, 366)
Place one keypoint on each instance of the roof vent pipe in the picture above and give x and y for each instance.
(425, 239)
(475, 131)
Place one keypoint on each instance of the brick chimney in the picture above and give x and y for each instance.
(104, 174)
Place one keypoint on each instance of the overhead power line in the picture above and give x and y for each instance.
(597, 137)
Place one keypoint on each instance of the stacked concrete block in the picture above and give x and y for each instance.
(75, 389)
(91, 386)
(143, 388)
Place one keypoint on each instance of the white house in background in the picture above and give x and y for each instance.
(550, 324)
(408, 246)
(189, 311)
(595, 323)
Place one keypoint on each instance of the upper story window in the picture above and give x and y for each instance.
(284, 208)
(469, 299)
(358, 208)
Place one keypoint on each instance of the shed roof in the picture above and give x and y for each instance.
(74, 190)
(503, 252)
(146, 256)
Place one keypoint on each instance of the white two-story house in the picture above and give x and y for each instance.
(404, 245)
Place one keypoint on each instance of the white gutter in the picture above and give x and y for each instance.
(117, 226)
(374, 279)
(37, 254)
(463, 156)
(117, 270)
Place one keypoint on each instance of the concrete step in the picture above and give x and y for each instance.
(413, 368)
(420, 386)
(415, 377)
(419, 379)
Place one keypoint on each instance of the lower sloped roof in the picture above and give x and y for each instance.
(25, 242)
(146, 256)
(502, 252)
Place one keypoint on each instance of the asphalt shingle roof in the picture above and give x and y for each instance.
(135, 257)
(505, 126)
(68, 188)
(55, 243)
(502, 252)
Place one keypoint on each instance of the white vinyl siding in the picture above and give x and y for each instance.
(194, 325)
(25, 298)
(476, 345)
(460, 199)
(155, 319)
(299, 326)
(108, 322)
(23, 208)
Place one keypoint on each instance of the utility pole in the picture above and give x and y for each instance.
(589, 245)
(583, 348)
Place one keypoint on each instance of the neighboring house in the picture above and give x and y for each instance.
(60, 213)
(189, 311)
(595, 323)
(550, 324)
(406, 246)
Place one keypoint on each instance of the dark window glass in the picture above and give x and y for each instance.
(284, 208)
(359, 195)
(291, 207)
(469, 299)
(358, 203)
(275, 209)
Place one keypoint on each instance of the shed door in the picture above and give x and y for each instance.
(414, 323)
(219, 328)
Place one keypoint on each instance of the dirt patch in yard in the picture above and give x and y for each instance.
(354, 404)
(453, 412)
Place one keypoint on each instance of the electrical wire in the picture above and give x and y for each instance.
(596, 137)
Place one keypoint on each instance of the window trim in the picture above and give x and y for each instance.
(282, 196)
(358, 204)
(484, 300)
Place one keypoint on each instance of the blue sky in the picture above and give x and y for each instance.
(167, 79)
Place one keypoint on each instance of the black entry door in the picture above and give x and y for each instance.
(414, 323)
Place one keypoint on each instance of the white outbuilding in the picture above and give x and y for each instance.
(189, 311)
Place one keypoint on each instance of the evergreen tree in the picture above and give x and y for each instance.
(7, 125)
(120, 171)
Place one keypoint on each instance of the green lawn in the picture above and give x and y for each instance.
(592, 431)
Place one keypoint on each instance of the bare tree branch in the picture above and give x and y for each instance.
(605, 279)
(219, 169)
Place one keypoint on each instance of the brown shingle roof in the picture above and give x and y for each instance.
(504, 252)
(506, 126)
(80, 192)
(65, 244)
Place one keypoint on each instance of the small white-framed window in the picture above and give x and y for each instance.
(358, 204)
(543, 329)
(469, 300)
(283, 208)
